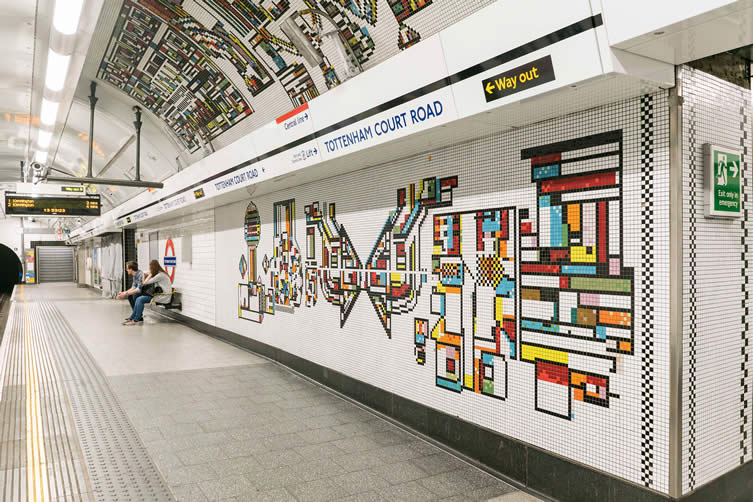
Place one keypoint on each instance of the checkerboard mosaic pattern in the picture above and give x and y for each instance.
(511, 281)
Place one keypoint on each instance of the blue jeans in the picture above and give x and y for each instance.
(132, 299)
(138, 307)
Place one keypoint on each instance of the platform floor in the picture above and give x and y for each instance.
(92, 410)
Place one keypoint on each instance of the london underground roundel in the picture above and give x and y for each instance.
(170, 261)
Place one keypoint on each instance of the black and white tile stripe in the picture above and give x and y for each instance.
(691, 269)
(745, 292)
(647, 281)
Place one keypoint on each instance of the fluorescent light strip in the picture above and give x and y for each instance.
(49, 113)
(43, 139)
(67, 14)
(57, 69)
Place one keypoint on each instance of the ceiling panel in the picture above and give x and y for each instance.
(17, 27)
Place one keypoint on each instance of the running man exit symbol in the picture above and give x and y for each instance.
(518, 79)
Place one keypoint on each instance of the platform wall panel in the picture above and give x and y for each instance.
(717, 390)
(515, 282)
(189, 241)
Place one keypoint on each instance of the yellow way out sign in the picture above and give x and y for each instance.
(519, 79)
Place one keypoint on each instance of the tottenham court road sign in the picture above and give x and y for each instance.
(724, 197)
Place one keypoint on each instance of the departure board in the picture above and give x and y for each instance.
(26, 205)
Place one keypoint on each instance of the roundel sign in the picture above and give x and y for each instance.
(170, 260)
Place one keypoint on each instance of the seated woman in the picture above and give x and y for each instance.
(159, 278)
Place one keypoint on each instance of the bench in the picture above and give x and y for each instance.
(173, 304)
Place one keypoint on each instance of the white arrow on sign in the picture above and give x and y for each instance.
(735, 168)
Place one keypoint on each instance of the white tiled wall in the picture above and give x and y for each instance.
(195, 275)
(716, 333)
(621, 428)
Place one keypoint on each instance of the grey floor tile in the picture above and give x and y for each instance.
(400, 473)
(252, 432)
(411, 491)
(351, 429)
(360, 481)
(365, 497)
(400, 452)
(287, 427)
(390, 437)
(323, 435)
(220, 434)
(270, 479)
(356, 414)
(276, 495)
(244, 448)
(438, 463)
(449, 484)
(193, 415)
(494, 492)
(201, 455)
(166, 460)
(321, 421)
(180, 429)
(149, 434)
(235, 466)
(320, 490)
(319, 450)
(188, 493)
(358, 461)
(317, 469)
(357, 443)
(517, 496)
(187, 474)
(278, 458)
(224, 424)
(281, 441)
(229, 486)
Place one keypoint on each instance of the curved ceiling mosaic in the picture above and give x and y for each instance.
(203, 66)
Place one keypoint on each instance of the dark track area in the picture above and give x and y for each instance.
(4, 308)
(10, 269)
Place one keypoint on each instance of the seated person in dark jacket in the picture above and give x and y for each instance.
(132, 268)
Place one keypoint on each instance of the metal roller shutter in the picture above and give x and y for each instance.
(55, 264)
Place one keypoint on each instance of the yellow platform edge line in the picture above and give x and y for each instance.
(36, 459)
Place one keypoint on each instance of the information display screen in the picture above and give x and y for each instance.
(26, 205)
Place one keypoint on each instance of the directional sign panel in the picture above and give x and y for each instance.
(722, 182)
(518, 79)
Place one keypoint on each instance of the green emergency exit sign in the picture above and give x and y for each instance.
(724, 197)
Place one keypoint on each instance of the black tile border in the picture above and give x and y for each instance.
(537, 469)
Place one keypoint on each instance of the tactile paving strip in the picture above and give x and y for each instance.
(39, 454)
(118, 464)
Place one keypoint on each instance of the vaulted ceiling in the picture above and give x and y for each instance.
(204, 72)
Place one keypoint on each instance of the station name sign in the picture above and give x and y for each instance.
(518, 79)
(27, 205)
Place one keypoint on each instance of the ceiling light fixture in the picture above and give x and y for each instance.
(66, 17)
(43, 139)
(41, 157)
(49, 112)
(57, 69)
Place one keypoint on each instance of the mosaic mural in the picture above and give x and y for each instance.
(542, 284)
(203, 66)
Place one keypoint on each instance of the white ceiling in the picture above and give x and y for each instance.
(17, 28)
(25, 31)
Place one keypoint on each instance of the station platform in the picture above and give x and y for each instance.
(93, 410)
